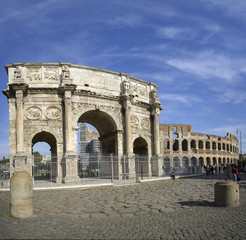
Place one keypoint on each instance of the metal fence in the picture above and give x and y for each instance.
(110, 168)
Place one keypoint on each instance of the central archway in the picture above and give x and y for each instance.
(106, 128)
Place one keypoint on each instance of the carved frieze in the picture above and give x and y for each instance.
(53, 113)
(34, 74)
(51, 74)
(142, 90)
(33, 113)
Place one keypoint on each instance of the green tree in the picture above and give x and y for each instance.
(37, 157)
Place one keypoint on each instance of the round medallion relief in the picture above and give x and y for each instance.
(53, 113)
(33, 113)
(145, 123)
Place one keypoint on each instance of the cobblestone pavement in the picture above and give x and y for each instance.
(167, 209)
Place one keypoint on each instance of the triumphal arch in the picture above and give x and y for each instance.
(48, 100)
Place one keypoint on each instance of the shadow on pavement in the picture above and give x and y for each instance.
(196, 203)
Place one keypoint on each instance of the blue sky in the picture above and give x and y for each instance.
(194, 50)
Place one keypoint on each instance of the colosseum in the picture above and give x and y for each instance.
(182, 147)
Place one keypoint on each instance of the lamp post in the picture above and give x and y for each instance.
(240, 154)
(240, 134)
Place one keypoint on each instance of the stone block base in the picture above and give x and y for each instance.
(226, 194)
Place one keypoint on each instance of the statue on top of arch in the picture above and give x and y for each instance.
(17, 72)
(65, 72)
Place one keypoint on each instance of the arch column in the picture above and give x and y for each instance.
(69, 161)
(155, 113)
(130, 157)
(20, 159)
(128, 128)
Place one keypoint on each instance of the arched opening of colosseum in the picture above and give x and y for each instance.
(208, 161)
(193, 144)
(223, 146)
(185, 162)
(201, 161)
(45, 168)
(176, 145)
(194, 164)
(200, 144)
(219, 160)
(166, 166)
(176, 163)
(106, 128)
(227, 147)
(214, 146)
(207, 145)
(224, 161)
(140, 149)
(185, 145)
(214, 161)
(219, 146)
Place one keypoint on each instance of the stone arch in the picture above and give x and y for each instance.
(176, 163)
(208, 145)
(106, 128)
(201, 161)
(200, 144)
(185, 145)
(52, 168)
(140, 146)
(219, 146)
(140, 149)
(176, 145)
(214, 161)
(208, 160)
(166, 166)
(193, 144)
(214, 145)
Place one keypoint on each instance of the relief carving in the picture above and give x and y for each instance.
(33, 113)
(34, 74)
(134, 121)
(53, 113)
(142, 90)
(145, 123)
(51, 74)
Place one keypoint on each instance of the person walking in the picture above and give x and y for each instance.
(235, 173)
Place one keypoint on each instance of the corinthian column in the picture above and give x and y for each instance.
(19, 122)
(128, 129)
(68, 121)
(155, 114)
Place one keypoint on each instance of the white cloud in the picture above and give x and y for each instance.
(210, 65)
(186, 99)
(235, 8)
(175, 33)
(230, 95)
(222, 131)
(127, 20)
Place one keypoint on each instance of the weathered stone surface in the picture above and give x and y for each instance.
(21, 191)
(47, 100)
(226, 194)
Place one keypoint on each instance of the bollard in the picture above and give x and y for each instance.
(21, 194)
(226, 194)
